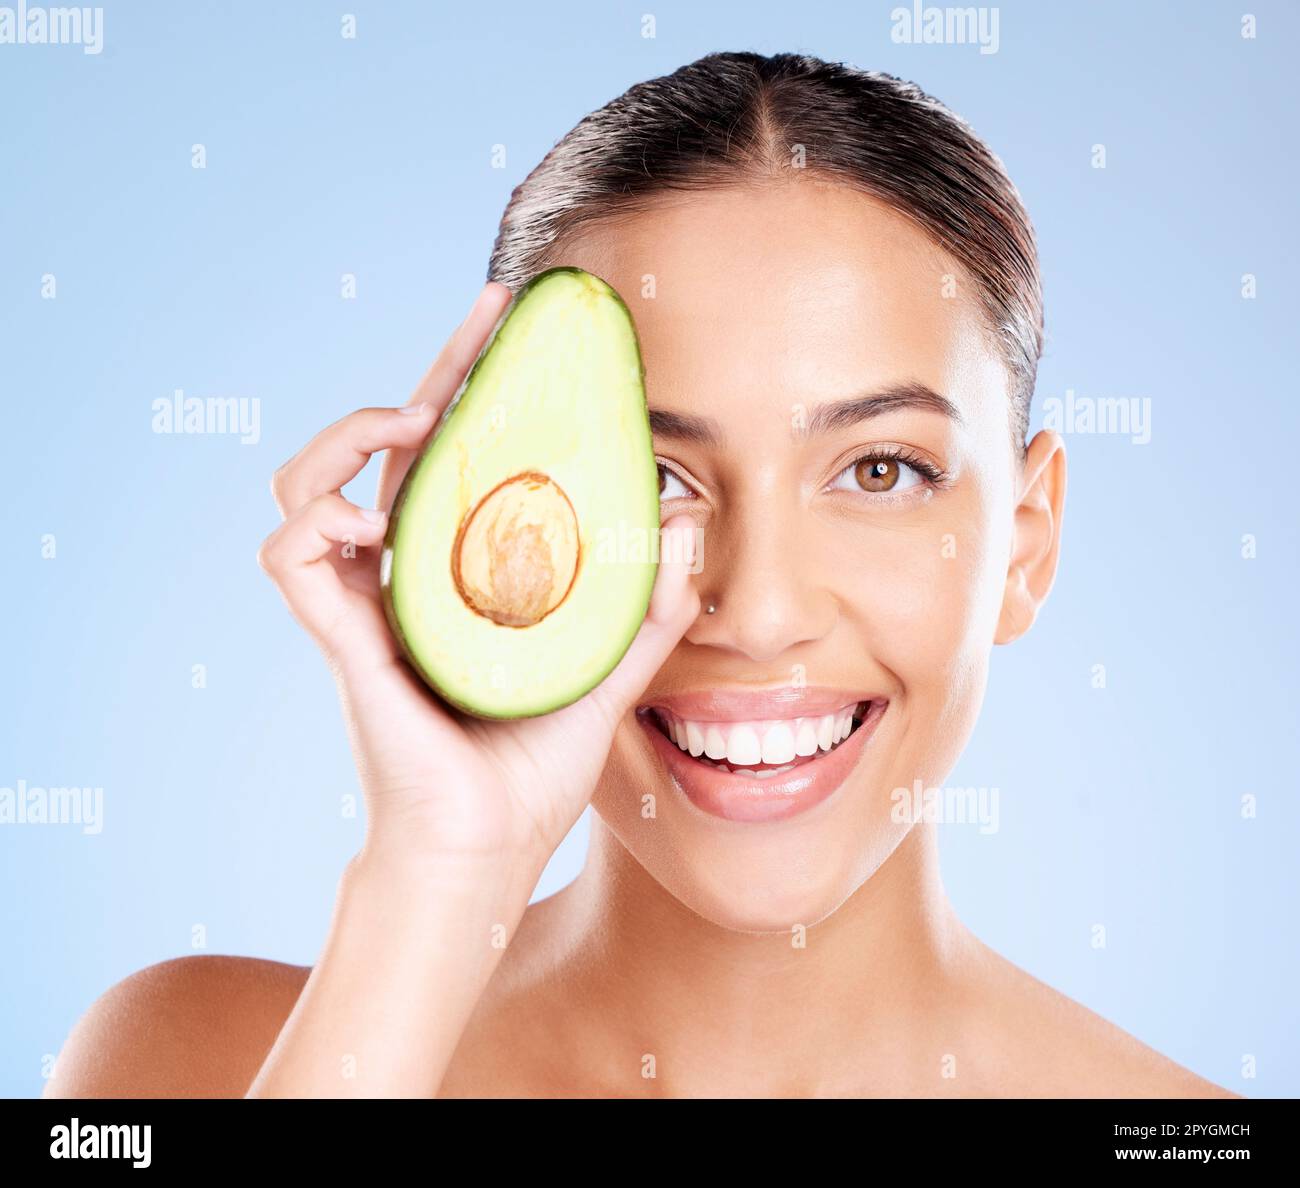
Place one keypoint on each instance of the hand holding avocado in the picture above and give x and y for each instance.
(518, 525)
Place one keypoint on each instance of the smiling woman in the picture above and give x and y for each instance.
(836, 293)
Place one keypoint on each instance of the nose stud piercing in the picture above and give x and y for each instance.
(710, 609)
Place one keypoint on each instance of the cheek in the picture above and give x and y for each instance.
(925, 590)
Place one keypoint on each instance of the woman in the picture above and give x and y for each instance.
(837, 295)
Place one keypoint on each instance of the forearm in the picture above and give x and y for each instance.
(408, 956)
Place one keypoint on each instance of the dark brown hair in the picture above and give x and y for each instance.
(732, 118)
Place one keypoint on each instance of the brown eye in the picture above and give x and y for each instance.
(883, 474)
(877, 474)
(663, 480)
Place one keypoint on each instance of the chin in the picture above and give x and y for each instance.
(777, 906)
(772, 882)
(769, 876)
(770, 809)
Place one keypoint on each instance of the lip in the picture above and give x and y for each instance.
(741, 798)
(738, 705)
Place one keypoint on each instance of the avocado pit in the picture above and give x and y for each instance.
(516, 554)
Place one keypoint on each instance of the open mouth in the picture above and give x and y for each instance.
(762, 749)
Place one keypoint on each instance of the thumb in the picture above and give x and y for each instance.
(674, 606)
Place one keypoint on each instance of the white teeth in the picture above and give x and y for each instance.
(742, 744)
(773, 743)
(765, 774)
(778, 743)
(805, 742)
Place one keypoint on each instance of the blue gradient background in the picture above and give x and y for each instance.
(1119, 807)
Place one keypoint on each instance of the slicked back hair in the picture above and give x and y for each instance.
(730, 119)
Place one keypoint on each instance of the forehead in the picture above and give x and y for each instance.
(795, 291)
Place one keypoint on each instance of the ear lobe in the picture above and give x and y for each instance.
(1036, 536)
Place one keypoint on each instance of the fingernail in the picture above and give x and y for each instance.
(373, 514)
(687, 531)
(414, 410)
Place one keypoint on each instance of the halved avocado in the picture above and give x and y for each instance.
(523, 544)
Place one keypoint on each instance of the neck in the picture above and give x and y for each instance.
(726, 1013)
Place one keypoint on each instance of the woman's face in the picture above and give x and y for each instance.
(828, 410)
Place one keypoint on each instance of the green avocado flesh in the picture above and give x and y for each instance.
(523, 544)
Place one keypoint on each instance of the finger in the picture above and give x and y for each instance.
(297, 556)
(442, 380)
(460, 350)
(338, 453)
(674, 606)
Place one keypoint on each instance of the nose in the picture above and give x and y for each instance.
(761, 573)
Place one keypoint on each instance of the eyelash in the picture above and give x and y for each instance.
(934, 475)
(665, 469)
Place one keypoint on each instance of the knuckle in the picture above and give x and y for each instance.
(351, 426)
(268, 553)
(279, 482)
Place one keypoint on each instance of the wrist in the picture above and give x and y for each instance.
(447, 926)
(407, 877)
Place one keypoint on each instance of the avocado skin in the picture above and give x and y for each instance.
(387, 597)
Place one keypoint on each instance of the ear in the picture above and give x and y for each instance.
(1036, 537)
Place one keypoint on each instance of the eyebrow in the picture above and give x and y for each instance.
(825, 417)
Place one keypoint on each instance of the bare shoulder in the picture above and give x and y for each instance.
(1051, 1045)
(196, 1026)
